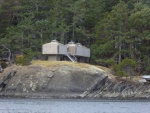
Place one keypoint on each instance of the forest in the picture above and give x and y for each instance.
(116, 31)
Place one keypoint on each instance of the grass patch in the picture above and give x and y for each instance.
(59, 63)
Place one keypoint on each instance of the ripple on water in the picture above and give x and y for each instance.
(72, 106)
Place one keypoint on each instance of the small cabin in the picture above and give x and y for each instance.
(82, 53)
(56, 51)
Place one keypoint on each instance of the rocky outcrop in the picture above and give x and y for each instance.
(121, 90)
(66, 80)
(55, 80)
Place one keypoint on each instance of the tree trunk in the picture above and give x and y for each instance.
(41, 35)
(62, 37)
(119, 60)
(22, 42)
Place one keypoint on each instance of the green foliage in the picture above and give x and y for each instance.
(110, 62)
(113, 29)
(106, 62)
(126, 29)
(26, 58)
(125, 68)
(29, 55)
(20, 59)
(148, 68)
(121, 74)
(7, 7)
(3, 64)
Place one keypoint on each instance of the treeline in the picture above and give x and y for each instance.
(113, 29)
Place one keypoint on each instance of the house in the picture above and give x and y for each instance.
(56, 51)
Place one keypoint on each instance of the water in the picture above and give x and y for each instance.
(72, 106)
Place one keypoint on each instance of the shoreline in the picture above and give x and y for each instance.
(67, 82)
(81, 99)
(68, 97)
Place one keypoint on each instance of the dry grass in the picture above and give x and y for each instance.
(134, 79)
(103, 68)
(59, 63)
(72, 64)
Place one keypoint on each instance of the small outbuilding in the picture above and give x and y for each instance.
(82, 53)
(56, 51)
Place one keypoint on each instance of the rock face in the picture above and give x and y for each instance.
(66, 81)
(54, 80)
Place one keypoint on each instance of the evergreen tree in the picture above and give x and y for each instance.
(140, 27)
(112, 33)
(8, 14)
(116, 29)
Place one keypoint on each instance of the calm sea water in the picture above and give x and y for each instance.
(72, 106)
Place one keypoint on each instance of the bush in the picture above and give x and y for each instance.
(110, 62)
(125, 68)
(121, 74)
(20, 59)
(3, 64)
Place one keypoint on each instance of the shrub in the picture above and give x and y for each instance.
(125, 68)
(110, 62)
(3, 64)
(121, 74)
(20, 59)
